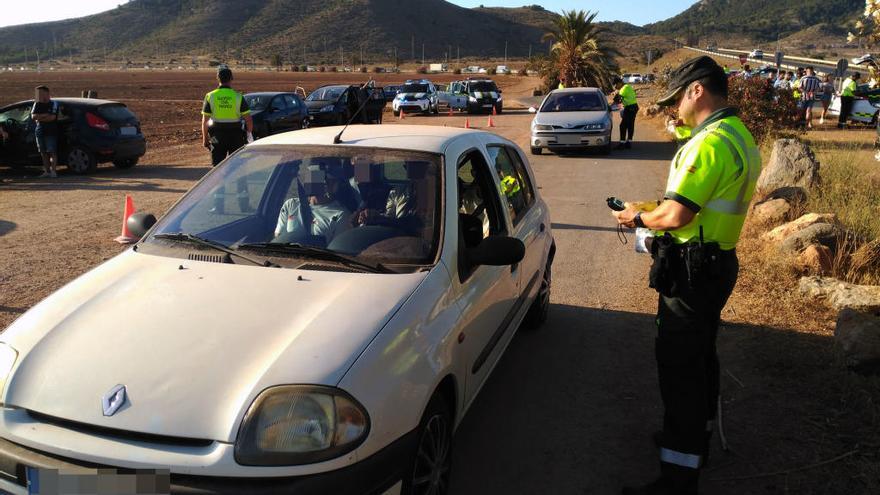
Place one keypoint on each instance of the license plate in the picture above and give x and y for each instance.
(569, 139)
(128, 131)
(487, 106)
(137, 482)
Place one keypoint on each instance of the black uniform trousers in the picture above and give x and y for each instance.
(846, 105)
(226, 140)
(688, 368)
(628, 122)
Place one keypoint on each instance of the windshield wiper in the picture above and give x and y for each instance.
(318, 253)
(181, 236)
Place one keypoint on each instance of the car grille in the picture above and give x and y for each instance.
(103, 431)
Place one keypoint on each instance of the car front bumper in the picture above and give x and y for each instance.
(585, 139)
(381, 473)
(412, 106)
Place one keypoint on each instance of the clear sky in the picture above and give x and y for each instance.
(635, 11)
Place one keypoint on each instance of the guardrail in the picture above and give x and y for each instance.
(824, 63)
(815, 61)
(736, 57)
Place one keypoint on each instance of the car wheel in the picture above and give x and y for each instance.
(81, 161)
(535, 151)
(540, 309)
(305, 123)
(124, 164)
(432, 460)
(396, 113)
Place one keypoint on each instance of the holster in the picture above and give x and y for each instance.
(678, 267)
(665, 257)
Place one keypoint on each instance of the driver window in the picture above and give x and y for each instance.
(477, 200)
(278, 102)
(290, 101)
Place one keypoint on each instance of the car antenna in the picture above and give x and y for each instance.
(338, 138)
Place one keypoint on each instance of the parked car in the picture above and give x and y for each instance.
(416, 96)
(336, 104)
(277, 112)
(502, 69)
(572, 118)
(633, 78)
(390, 92)
(757, 54)
(482, 95)
(237, 359)
(90, 132)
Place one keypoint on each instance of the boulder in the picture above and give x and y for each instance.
(793, 195)
(792, 164)
(784, 231)
(771, 212)
(841, 295)
(825, 234)
(858, 334)
(816, 259)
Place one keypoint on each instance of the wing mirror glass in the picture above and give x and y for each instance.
(533, 110)
(139, 223)
(497, 251)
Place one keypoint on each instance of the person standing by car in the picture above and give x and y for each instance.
(45, 114)
(827, 92)
(223, 111)
(628, 114)
(809, 87)
(711, 182)
(847, 96)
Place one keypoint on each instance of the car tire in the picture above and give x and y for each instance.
(540, 308)
(535, 151)
(396, 113)
(124, 164)
(81, 161)
(305, 124)
(431, 462)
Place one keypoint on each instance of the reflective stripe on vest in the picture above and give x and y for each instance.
(225, 113)
(682, 459)
(744, 156)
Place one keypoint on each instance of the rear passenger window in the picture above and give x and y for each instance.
(515, 186)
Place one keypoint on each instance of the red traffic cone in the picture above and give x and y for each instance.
(450, 110)
(126, 237)
(402, 114)
(490, 123)
(494, 110)
(467, 123)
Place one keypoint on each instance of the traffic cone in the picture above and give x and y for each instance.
(402, 114)
(490, 123)
(450, 110)
(494, 110)
(467, 123)
(126, 237)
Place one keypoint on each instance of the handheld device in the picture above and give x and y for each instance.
(615, 204)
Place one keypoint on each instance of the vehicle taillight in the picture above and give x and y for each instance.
(97, 122)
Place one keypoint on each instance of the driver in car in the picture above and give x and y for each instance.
(398, 204)
(326, 214)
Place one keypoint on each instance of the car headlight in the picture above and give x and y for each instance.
(294, 424)
(8, 355)
(542, 127)
(472, 99)
(327, 108)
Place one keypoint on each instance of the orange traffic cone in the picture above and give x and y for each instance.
(402, 114)
(450, 110)
(490, 123)
(494, 110)
(467, 123)
(126, 237)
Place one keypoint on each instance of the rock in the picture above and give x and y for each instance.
(841, 295)
(825, 234)
(784, 231)
(793, 195)
(771, 212)
(652, 110)
(858, 334)
(792, 164)
(816, 259)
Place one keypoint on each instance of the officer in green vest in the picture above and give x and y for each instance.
(847, 97)
(711, 182)
(628, 113)
(223, 111)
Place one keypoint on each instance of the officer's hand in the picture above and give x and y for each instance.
(626, 217)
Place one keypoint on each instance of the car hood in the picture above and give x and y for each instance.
(570, 118)
(193, 342)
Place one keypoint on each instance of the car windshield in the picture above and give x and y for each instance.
(329, 93)
(370, 204)
(483, 87)
(414, 88)
(574, 102)
(257, 103)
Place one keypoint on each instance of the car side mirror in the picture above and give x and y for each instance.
(497, 251)
(533, 110)
(139, 223)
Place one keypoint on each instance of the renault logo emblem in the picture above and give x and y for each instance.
(113, 400)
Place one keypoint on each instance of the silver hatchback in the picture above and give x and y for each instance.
(569, 118)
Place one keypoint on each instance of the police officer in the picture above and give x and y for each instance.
(222, 115)
(628, 115)
(847, 97)
(711, 182)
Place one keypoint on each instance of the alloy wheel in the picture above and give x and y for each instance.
(79, 161)
(431, 472)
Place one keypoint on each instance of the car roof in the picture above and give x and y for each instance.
(270, 93)
(577, 90)
(86, 102)
(432, 139)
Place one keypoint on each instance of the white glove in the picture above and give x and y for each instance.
(250, 138)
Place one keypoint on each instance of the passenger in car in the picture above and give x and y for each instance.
(325, 213)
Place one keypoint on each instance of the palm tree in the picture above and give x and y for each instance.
(579, 53)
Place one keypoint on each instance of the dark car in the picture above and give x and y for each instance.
(483, 95)
(277, 112)
(390, 92)
(90, 131)
(336, 104)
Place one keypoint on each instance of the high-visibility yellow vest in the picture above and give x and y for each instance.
(509, 185)
(849, 87)
(715, 174)
(225, 106)
(627, 95)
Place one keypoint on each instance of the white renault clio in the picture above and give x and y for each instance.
(310, 318)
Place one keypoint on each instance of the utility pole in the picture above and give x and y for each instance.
(505, 52)
(458, 53)
(530, 51)
(413, 43)
(341, 58)
(423, 54)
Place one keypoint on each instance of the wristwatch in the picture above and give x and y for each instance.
(638, 220)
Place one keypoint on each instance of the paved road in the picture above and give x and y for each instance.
(569, 408)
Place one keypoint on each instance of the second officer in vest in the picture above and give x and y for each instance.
(711, 182)
(223, 111)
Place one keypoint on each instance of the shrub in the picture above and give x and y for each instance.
(422, 70)
(334, 69)
(363, 70)
(457, 71)
(492, 71)
(303, 68)
(523, 72)
(378, 70)
(766, 112)
(294, 68)
(322, 69)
